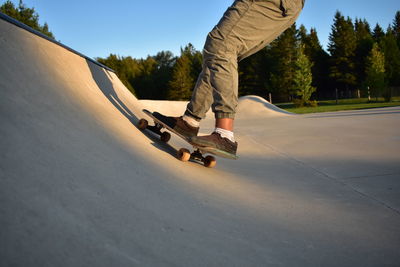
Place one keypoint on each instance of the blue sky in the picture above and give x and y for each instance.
(135, 28)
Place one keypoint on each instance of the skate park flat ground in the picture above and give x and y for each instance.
(80, 185)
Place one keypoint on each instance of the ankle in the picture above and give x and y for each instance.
(224, 123)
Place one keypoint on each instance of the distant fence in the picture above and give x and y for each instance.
(343, 94)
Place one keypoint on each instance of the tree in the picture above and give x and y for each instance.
(396, 27)
(253, 73)
(365, 42)
(392, 58)
(25, 15)
(342, 47)
(184, 74)
(378, 33)
(195, 58)
(302, 79)
(375, 72)
(283, 51)
(181, 84)
(162, 74)
(143, 81)
(320, 59)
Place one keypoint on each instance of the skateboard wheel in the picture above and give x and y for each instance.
(183, 154)
(142, 124)
(210, 162)
(165, 136)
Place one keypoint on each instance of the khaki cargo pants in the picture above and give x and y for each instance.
(245, 28)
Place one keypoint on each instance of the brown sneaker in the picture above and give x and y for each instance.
(178, 125)
(216, 141)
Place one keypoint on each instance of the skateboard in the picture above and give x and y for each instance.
(183, 154)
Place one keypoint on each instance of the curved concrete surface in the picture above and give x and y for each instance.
(80, 185)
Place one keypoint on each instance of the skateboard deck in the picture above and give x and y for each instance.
(183, 153)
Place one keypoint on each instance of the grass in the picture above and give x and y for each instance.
(343, 104)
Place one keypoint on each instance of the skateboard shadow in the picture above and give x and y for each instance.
(102, 79)
(157, 143)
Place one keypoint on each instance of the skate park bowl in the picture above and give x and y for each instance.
(81, 185)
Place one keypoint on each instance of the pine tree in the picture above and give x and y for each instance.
(253, 74)
(375, 72)
(162, 74)
(320, 59)
(302, 34)
(248, 75)
(342, 47)
(302, 79)
(181, 84)
(378, 33)
(392, 58)
(144, 82)
(283, 51)
(364, 45)
(396, 27)
(25, 15)
(195, 58)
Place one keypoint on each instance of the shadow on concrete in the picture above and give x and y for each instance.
(102, 79)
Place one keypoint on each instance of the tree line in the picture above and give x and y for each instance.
(294, 67)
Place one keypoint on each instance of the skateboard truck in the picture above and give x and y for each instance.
(156, 128)
(185, 155)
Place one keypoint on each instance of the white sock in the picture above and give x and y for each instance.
(225, 133)
(191, 121)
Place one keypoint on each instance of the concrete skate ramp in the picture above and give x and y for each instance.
(80, 185)
(248, 106)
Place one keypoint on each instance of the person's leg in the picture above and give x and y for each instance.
(224, 123)
(246, 27)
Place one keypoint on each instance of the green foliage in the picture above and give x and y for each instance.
(392, 58)
(184, 74)
(342, 47)
(146, 78)
(396, 27)
(25, 15)
(302, 79)
(195, 58)
(161, 75)
(182, 82)
(320, 58)
(378, 33)
(253, 74)
(375, 71)
(365, 42)
(283, 50)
